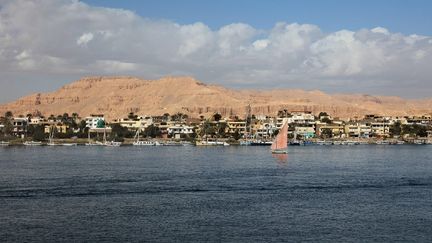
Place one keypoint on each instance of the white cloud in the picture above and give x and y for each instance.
(84, 39)
(47, 37)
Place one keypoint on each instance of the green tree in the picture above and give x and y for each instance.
(322, 113)
(396, 129)
(237, 135)
(207, 129)
(119, 131)
(36, 132)
(326, 120)
(416, 130)
(327, 133)
(132, 116)
(217, 117)
(220, 129)
(152, 131)
(7, 122)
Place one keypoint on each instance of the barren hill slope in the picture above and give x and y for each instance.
(117, 96)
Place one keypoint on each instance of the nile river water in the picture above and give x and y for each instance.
(358, 193)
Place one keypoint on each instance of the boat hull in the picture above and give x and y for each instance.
(279, 151)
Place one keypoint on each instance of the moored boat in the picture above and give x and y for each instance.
(3, 143)
(211, 143)
(112, 144)
(146, 143)
(32, 143)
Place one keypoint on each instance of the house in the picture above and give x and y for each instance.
(236, 126)
(180, 130)
(305, 130)
(380, 128)
(301, 117)
(58, 128)
(336, 130)
(19, 126)
(95, 121)
(141, 122)
(358, 129)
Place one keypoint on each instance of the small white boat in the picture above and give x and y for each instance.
(2, 143)
(112, 144)
(146, 143)
(212, 143)
(69, 144)
(53, 144)
(97, 143)
(32, 143)
(245, 143)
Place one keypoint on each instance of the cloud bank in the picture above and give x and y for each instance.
(63, 37)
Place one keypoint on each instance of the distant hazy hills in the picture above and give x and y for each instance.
(117, 96)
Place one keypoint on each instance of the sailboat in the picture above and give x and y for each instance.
(139, 142)
(109, 143)
(280, 143)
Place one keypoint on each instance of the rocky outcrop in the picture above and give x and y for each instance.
(117, 96)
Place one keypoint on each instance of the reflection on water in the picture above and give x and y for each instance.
(281, 158)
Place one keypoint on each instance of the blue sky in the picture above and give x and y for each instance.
(405, 16)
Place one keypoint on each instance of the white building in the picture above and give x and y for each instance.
(36, 120)
(92, 121)
(301, 118)
(178, 130)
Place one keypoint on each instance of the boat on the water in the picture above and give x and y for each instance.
(139, 142)
(280, 143)
(245, 143)
(261, 143)
(69, 144)
(32, 143)
(3, 143)
(146, 143)
(112, 144)
(97, 143)
(211, 143)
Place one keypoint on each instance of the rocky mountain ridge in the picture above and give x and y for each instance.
(117, 96)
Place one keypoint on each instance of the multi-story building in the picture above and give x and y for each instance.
(36, 120)
(95, 121)
(236, 127)
(306, 131)
(358, 129)
(264, 129)
(19, 126)
(178, 130)
(337, 130)
(58, 128)
(380, 128)
(301, 117)
(141, 122)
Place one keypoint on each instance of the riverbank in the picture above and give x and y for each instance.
(170, 142)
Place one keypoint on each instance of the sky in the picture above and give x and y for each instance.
(373, 47)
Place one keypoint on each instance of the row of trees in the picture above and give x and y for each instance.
(398, 129)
